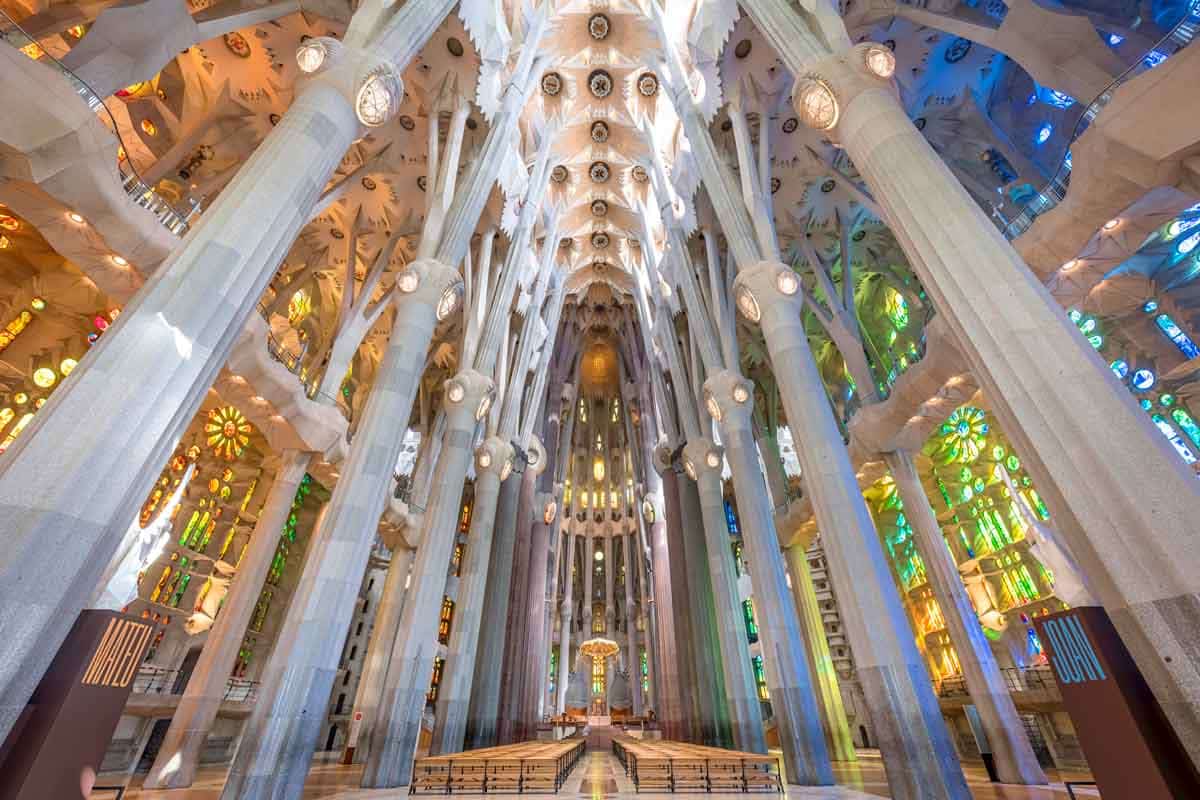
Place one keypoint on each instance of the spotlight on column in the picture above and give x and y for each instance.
(485, 404)
(879, 61)
(550, 512)
(714, 408)
(408, 281)
(455, 392)
(787, 282)
(648, 513)
(740, 393)
(311, 55)
(483, 460)
(379, 97)
(816, 103)
(712, 459)
(689, 468)
(506, 469)
(449, 301)
(748, 305)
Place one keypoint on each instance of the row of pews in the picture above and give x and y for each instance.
(661, 765)
(513, 768)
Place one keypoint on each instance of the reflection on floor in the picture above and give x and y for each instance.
(600, 776)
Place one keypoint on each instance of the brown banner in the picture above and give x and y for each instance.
(1132, 750)
(56, 747)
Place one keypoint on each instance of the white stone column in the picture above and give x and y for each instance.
(1123, 500)
(68, 486)
(489, 657)
(281, 734)
(1015, 760)
(825, 679)
(741, 691)
(535, 636)
(670, 706)
(467, 397)
(493, 460)
(610, 617)
(788, 678)
(566, 615)
(379, 651)
(589, 574)
(917, 752)
(179, 755)
(631, 638)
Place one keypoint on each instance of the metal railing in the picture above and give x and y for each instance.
(294, 363)
(1015, 680)
(137, 189)
(1053, 192)
(158, 680)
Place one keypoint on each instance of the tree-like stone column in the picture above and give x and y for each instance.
(825, 679)
(631, 659)
(741, 692)
(282, 732)
(918, 755)
(566, 614)
(1015, 760)
(702, 617)
(692, 692)
(788, 678)
(493, 461)
(1131, 523)
(394, 740)
(179, 755)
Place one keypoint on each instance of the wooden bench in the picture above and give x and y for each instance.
(662, 765)
(510, 769)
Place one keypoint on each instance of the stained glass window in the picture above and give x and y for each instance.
(1176, 335)
(760, 677)
(446, 618)
(751, 625)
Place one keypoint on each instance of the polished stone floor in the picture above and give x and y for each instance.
(600, 776)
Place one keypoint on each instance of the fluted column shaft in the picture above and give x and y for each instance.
(691, 690)
(458, 672)
(825, 679)
(788, 677)
(394, 739)
(535, 637)
(178, 757)
(631, 648)
(741, 691)
(706, 652)
(671, 707)
(515, 670)
(565, 617)
(1015, 760)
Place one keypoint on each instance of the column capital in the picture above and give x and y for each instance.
(429, 282)
(766, 284)
(662, 456)
(729, 398)
(494, 455)
(702, 456)
(469, 392)
(823, 91)
(367, 77)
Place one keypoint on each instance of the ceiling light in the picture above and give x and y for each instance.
(816, 103)
(787, 282)
(408, 281)
(76, 218)
(311, 55)
(1111, 225)
(880, 61)
(712, 459)
(120, 262)
(740, 393)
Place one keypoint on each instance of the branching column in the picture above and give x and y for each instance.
(632, 660)
(741, 692)
(394, 740)
(565, 619)
(492, 461)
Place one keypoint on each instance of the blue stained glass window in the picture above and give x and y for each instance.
(1173, 332)
(1177, 442)
(731, 520)
(1154, 58)
(1143, 379)
(1120, 368)
(1184, 420)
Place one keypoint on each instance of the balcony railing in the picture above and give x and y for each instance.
(160, 681)
(131, 182)
(1053, 192)
(1016, 680)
